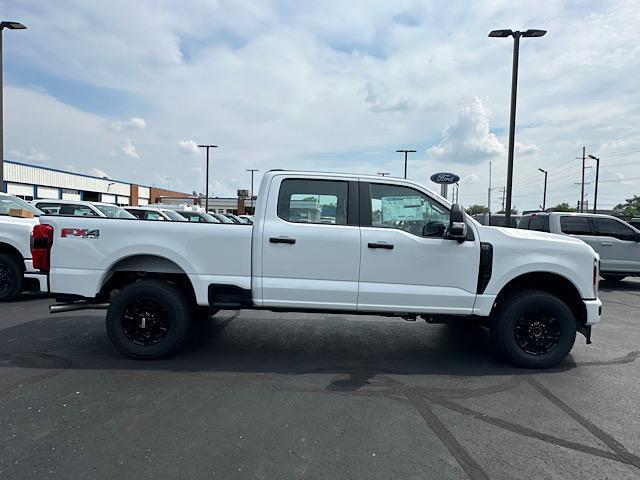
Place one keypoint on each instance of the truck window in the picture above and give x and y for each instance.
(404, 208)
(524, 223)
(608, 227)
(576, 225)
(539, 223)
(313, 201)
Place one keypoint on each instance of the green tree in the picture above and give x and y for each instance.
(477, 210)
(630, 208)
(563, 207)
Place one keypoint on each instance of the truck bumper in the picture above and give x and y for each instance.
(41, 278)
(594, 310)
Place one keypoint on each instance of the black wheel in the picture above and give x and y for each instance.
(149, 319)
(533, 329)
(11, 276)
(612, 278)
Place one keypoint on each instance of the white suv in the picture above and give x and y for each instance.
(617, 242)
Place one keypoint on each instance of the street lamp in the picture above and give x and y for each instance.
(595, 194)
(405, 159)
(252, 170)
(514, 87)
(10, 26)
(544, 196)
(206, 188)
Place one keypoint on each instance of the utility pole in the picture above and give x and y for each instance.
(206, 188)
(405, 159)
(582, 181)
(252, 170)
(10, 26)
(544, 196)
(503, 193)
(512, 117)
(595, 194)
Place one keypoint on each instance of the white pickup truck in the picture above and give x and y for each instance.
(16, 269)
(326, 243)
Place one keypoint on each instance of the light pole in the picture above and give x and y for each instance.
(10, 26)
(405, 159)
(514, 88)
(544, 196)
(595, 194)
(206, 187)
(252, 170)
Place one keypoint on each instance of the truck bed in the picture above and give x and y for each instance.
(84, 249)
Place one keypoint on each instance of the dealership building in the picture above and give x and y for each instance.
(33, 181)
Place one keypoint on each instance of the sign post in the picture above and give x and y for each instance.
(444, 179)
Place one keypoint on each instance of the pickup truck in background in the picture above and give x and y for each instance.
(616, 241)
(16, 269)
(326, 243)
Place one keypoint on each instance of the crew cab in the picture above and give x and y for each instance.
(326, 243)
(16, 269)
(617, 242)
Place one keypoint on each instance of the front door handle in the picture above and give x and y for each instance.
(288, 240)
(606, 244)
(387, 246)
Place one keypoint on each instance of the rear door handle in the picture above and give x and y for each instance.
(606, 244)
(387, 246)
(288, 240)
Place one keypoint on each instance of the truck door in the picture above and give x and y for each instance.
(619, 250)
(582, 227)
(311, 244)
(406, 265)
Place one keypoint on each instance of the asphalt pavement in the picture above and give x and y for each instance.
(287, 396)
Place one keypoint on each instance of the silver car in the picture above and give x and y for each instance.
(617, 242)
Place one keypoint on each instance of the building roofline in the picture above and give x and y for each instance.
(51, 169)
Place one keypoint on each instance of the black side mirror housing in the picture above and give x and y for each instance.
(457, 229)
(434, 229)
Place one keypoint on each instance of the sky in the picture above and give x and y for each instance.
(128, 89)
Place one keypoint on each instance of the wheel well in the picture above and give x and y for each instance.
(6, 248)
(144, 267)
(547, 282)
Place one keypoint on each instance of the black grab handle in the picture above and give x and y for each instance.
(290, 241)
(388, 246)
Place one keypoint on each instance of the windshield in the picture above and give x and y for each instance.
(222, 218)
(175, 216)
(113, 211)
(8, 202)
(210, 218)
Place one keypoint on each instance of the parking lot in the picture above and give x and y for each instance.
(268, 395)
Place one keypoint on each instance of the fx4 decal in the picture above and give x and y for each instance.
(80, 232)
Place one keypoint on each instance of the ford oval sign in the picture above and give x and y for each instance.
(444, 177)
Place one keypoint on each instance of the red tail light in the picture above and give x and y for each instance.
(41, 241)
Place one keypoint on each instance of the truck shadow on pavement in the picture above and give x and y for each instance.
(265, 342)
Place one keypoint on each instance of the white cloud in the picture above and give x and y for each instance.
(134, 123)
(31, 155)
(188, 146)
(469, 138)
(128, 149)
(99, 173)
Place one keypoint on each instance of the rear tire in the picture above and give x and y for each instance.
(612, 278)
(149, 319)
(533, 329)
(11, 276)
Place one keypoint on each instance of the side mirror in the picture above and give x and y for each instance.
(457, 229)
(433, 229)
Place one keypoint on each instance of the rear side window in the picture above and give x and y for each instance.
(608, 227)
(313, 201)
(576, 225)
(524, 223)
(539, 223)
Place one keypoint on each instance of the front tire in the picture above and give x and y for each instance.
(533, 329)
(149, 319)
(11, 276)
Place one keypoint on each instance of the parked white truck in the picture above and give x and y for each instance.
(326, 243)
(16, 269)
